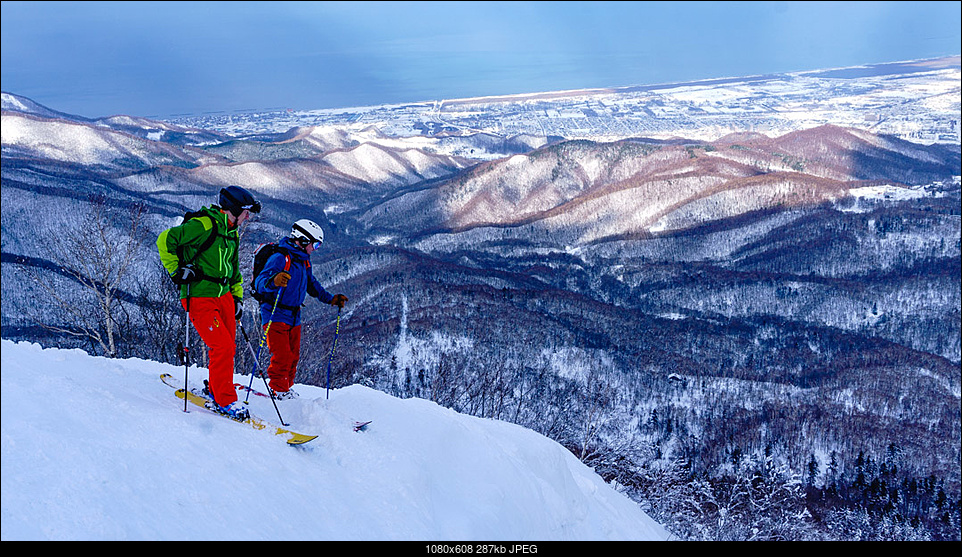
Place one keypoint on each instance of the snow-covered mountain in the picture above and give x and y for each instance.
(145, 128)
(580, 191)
(71, 142)
(100, 449)
(665, 309)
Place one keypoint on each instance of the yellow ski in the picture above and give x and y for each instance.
(293, 438)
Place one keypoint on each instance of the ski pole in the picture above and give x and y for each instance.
(337, 328)
(263, 340)
(269, 390)
(186, 349)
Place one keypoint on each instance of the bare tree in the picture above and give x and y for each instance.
(94, 261)
(158, 299)
(596, 403)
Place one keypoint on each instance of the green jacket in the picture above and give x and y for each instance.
(219, 263)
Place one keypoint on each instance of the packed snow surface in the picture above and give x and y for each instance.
(101, 449)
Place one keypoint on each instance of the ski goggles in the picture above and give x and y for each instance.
(254, 207)
(304, 242)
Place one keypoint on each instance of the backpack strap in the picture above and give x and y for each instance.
(287, 268)
(270, 297)
(208, 242)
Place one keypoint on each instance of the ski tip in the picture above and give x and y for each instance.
(301, 439)
(169, 380)
(361, 426)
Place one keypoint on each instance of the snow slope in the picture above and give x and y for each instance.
(100, 449)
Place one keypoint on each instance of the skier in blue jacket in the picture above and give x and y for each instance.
(288, 272)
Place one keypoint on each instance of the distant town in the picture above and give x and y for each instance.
(917, 101)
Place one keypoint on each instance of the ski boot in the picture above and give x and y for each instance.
(285, 395)
(235, 410)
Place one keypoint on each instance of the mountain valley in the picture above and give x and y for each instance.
(665, 308)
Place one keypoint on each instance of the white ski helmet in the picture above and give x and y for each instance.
(307, 230)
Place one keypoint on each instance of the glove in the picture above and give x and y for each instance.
(184, 275)
(238, 308)
(281, 278)
(339, 300)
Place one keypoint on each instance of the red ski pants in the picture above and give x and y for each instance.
(214, 320)
(284, 342)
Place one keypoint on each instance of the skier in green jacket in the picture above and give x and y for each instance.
(201, 255)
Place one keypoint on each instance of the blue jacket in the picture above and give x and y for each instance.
(301, 284)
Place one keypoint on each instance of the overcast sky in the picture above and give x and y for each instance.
(161, 59)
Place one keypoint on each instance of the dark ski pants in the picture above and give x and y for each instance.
(214, 320)
(284, 342)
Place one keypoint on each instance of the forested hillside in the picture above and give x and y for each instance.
(756, 338)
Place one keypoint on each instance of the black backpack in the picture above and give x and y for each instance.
(207, 243)
(214, 232)
(261, 255)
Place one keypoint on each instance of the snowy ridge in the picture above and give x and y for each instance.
(100, 449)
(86, 144)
